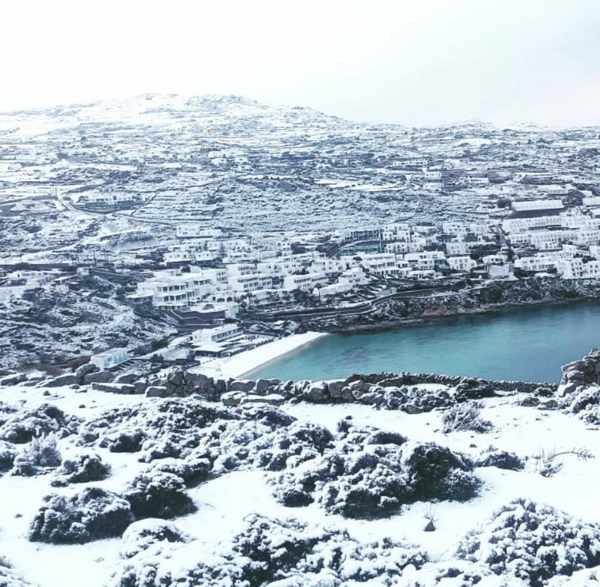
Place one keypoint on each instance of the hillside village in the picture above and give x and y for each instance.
(231, 222)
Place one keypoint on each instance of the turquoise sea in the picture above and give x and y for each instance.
(528, 344)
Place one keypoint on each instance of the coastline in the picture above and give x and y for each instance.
(424, 320)
(245, 362)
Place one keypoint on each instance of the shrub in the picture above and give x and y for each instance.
(40, 455)
(465, 417)
(533, 542)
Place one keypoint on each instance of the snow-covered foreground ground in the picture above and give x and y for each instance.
(223, 502)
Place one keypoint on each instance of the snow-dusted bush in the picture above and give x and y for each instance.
(268, 551)
(257, 446)
(465, 417)
(39, 456)
(192, 470)
(583, 578)
(533, 542)
(90, 514)
(455, 573)
(414, 400)
(82, 467)
(585, 402)
(141, 535)
(22, 427)
(125, 429)
(155, 494)
(7, 456)
(548, 463)
(502, 459)
(370, 480)
(8, 578)
(124, 441)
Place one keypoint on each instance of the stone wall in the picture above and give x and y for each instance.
(381, 390)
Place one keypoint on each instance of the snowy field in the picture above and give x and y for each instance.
(223, 502)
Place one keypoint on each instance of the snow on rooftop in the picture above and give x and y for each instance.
(529, 205)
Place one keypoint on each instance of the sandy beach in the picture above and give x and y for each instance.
(245, 362)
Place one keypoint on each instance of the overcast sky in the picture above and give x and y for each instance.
(408, 61)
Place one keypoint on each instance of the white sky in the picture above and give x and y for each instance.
(409, 61)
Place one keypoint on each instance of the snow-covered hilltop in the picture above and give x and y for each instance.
(373, 480)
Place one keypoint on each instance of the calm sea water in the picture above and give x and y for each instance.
(528, 345)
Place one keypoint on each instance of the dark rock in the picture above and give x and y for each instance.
(127, 378)
(84, 370)
(240, 385)
(119, 388)
(13, 379)
(98, 377)
(156, 391)
(66, 379)
(265, 386)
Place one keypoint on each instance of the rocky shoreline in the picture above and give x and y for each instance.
(492, 298)
(498, 309)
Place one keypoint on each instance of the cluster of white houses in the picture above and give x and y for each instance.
(204, 266)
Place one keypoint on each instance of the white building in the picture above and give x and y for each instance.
(463, 263)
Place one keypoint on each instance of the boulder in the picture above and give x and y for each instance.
(273, 399)
(240, 385)
(13, 379)
(233, 398)
(119, 388)
(127, 378)
(140, 387)
(98, 377)
(84, 370)
(66, 379)
(264, 386)
(317, 392)
(336, 389)
(156, 391)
